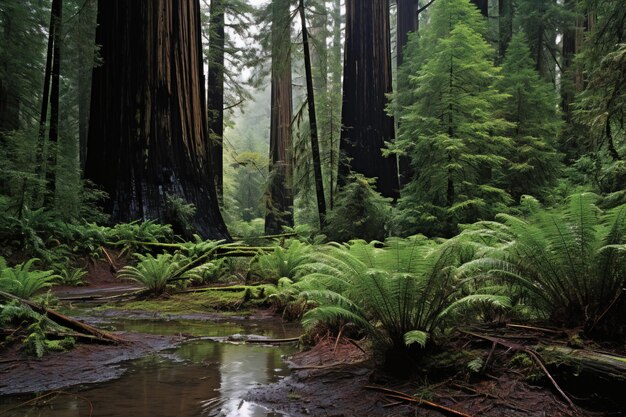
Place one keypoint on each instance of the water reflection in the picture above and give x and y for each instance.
(200, 378)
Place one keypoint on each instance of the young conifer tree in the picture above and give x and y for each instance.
(450, 130)
(531, 106)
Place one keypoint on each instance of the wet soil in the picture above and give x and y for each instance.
(85, 364)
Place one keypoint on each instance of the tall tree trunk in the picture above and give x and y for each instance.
(45, 97)
(87, 18)
(148, 131)
(367, 80)
(315, 149)
(335, 69)
(215, 96)
(279, 209)
(407, 22)
(9, 96)
(53, 132)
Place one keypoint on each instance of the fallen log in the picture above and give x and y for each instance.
(611, 368)
(65, 321)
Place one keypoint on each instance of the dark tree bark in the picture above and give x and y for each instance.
(367, 79)
(279, 210)
(86, 58)
(315, 148)
(483, 6)
(53, 133)
(406, 23)
(148, 131)
(215, 96)
(9, 96)
(45, 99)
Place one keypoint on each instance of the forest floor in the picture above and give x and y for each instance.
(337, 380)
(331, 379)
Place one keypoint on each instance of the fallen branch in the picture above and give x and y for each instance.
(65, 321)
(531, 353)
(272, 341)
(405, 397)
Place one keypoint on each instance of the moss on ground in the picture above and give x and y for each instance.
(238, 299)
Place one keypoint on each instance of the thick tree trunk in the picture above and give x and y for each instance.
(215, 96)
(147, 131)
(335, 69)
(315, 149)
(279, 209)
(366, 126)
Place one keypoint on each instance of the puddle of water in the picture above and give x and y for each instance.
(200, 378)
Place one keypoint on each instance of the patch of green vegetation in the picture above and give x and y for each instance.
(235, 299)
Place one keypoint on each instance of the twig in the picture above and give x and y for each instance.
(540, 329)
(402, 396)
(109, 260)
(533, 354)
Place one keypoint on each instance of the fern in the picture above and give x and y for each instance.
(399, 294)
(153, 273)
(282, 262)
(569, 261)
(21, 281)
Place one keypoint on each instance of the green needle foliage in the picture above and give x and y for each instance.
(569, 261)
(21, 281)
(452, 136)
(400, 307)
(531, 107)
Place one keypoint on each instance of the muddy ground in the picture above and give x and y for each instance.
(85, 364)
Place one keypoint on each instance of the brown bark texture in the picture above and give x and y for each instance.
(147, 132)
(366, 126)
(215, 96)
(279, 205)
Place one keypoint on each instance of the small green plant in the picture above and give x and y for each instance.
(136, 236)
(282, 262)
(153, 273)
(360, 212)
(72, 276)
(21, 281)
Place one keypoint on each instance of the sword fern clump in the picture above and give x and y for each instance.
(570, 261)
(399, 294)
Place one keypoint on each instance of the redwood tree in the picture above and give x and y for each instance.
(215, 96)
(366, 126)
(280, 194)
(147, 133)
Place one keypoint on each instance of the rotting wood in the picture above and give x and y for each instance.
(405, 397)
(65, 321)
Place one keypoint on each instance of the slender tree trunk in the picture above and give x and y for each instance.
(53, 132)
(317, 166)
(148, 130)
(45, 99)
(279, 206)
(335, 68)
(366, 126)
(215, 96)
(407, 23)
(86, 58)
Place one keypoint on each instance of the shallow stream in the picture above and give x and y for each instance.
(198, 378)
